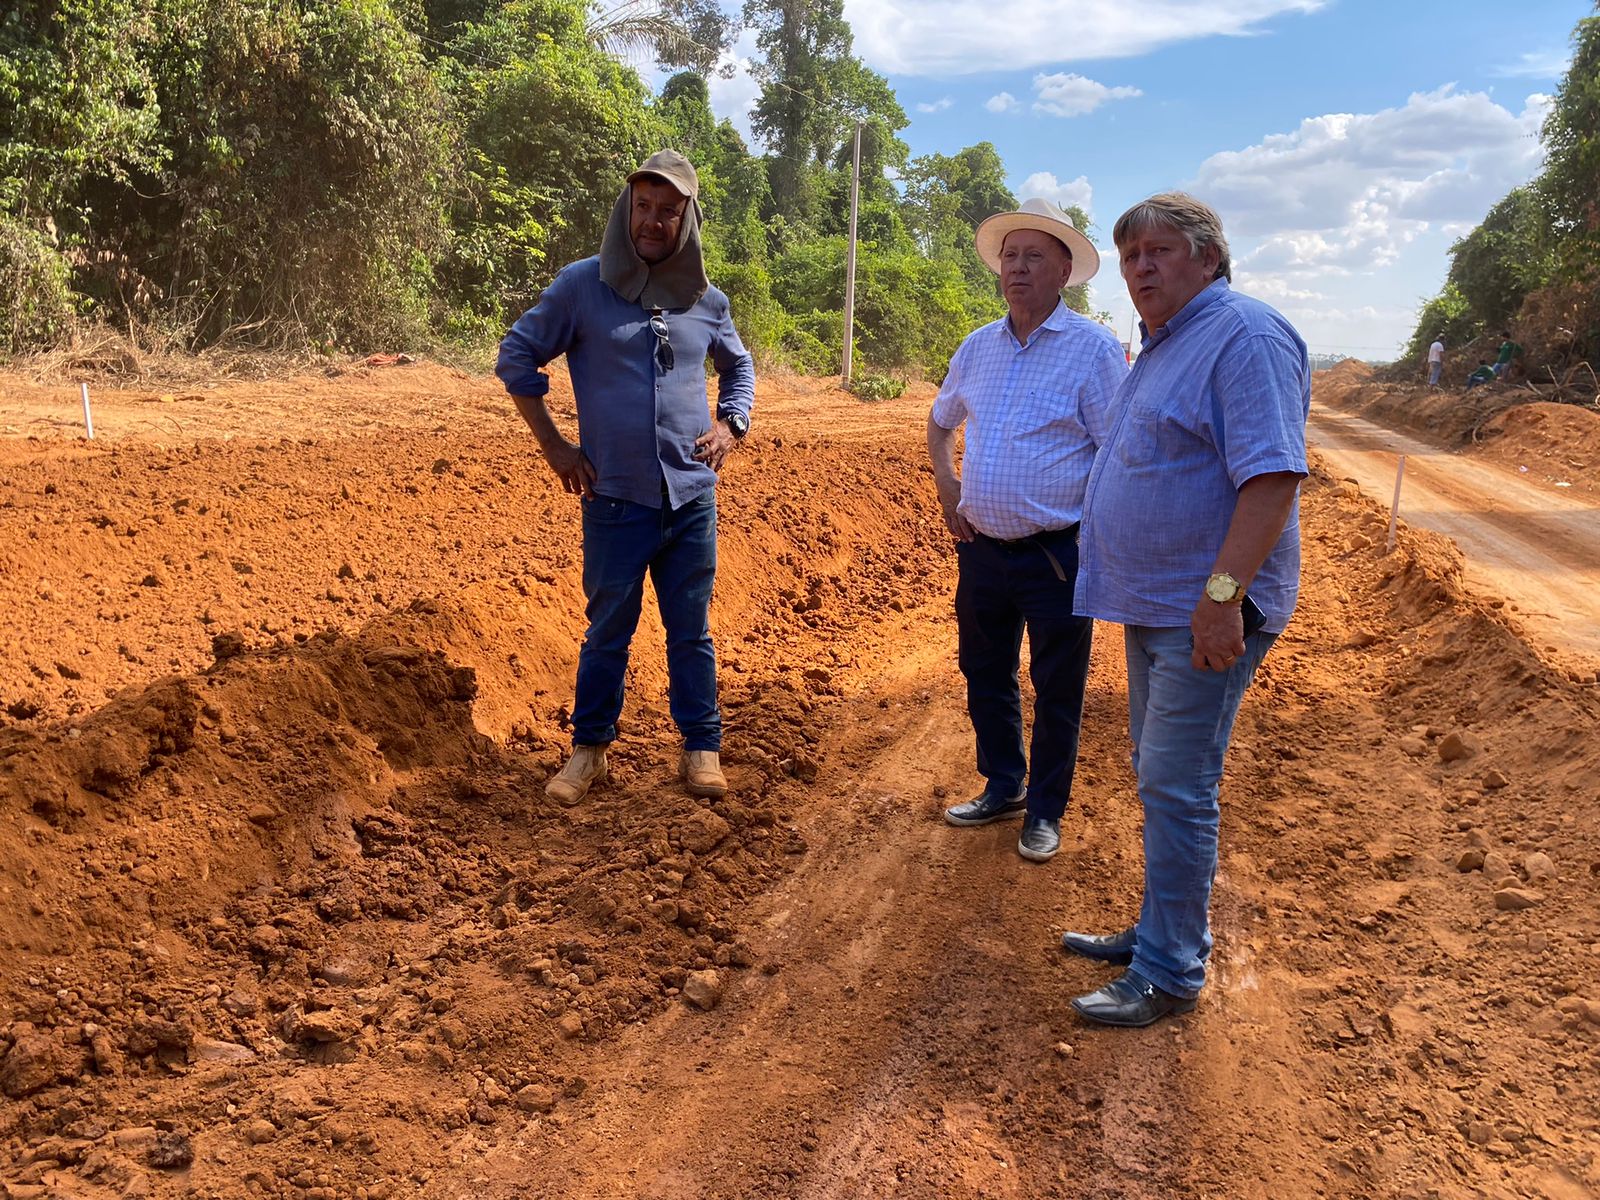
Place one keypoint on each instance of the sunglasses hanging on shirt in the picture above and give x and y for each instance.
(658, 326)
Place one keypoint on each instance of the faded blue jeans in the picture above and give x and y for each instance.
(678, 547)
(1181, 719)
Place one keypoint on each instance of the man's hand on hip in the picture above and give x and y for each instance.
(712, 448)
(572, 467)
(1218, 632)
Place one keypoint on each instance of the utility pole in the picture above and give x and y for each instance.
(850, 268)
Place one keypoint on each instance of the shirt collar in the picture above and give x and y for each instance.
(1202, 300)
(1055, 322)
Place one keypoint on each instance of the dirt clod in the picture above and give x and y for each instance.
(703, 989)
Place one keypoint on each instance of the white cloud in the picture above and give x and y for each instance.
(1073, 95)
(1345, 192)
(1004, 102)
(960, 37)
(1537, 64)
(1045, 185)
(736, 96)
(939, 105)
(1278, 291)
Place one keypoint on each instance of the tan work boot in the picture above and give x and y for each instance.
(701, 771)
(570, 784)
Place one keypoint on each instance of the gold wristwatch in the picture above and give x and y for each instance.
(1224, 588)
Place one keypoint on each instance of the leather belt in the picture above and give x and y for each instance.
(1037, 539)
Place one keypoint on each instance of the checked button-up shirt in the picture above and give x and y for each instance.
(1035, 415)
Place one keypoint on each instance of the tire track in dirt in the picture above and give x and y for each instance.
(906, 1046)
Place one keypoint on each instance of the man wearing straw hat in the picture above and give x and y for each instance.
(1034, 390)
(637, 324)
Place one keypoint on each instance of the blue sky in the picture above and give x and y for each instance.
(1346, 143)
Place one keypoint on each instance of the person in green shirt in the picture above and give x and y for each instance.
(1508, 351)
(1484, 374)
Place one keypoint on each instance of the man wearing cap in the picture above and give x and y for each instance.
(1035, 391)
(637, 323)
(1191, 542)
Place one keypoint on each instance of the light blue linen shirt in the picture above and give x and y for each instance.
(1035, 414)
(636, 422)
(1219, 395)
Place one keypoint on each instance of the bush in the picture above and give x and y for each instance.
(37, 282)
(873, 388)
(807, 354)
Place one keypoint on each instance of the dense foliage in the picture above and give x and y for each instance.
(355, 173)
(1533, 266)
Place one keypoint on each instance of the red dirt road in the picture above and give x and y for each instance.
(284, 911)
(1525, 538)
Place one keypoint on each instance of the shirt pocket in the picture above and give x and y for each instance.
(1044, 410)
(1140, 436)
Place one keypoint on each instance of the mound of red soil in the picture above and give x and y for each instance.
(1562, 439)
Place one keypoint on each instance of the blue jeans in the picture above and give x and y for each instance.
(1002, 587)
(1434, 370)
(678, 547)
(1181, 719)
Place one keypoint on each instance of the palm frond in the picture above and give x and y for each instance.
(635, 28)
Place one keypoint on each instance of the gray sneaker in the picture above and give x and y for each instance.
(985, 808)
(1041, 838)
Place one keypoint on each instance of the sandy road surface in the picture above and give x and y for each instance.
(1525, 540)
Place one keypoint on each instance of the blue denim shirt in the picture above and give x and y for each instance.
(636, 422)
(1219, 395)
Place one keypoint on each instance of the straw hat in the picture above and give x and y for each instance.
(1046, 218)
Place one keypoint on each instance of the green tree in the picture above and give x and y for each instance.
(1570, 183)
(551, 127)
(305, 153)
(76, 101)
(1496, 265)
(799, 114)
(1447, 316)
(732, 183)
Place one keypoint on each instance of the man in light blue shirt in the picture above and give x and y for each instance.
(1034, 390)
(1191, 541)
(637, 323)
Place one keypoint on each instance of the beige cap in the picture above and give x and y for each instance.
(674, 168)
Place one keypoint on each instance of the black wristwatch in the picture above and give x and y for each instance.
(738, 423)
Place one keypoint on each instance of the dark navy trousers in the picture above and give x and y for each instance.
(1004, 587)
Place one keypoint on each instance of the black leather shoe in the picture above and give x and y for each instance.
(1131, 1000)
(986, 807)
(1102, 947)
(1041, 838)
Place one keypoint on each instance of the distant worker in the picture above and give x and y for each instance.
(1035, 391)
(1484, 374)
(1191, 542)
(637, 323)
(1435, 362)
(1508, 351)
